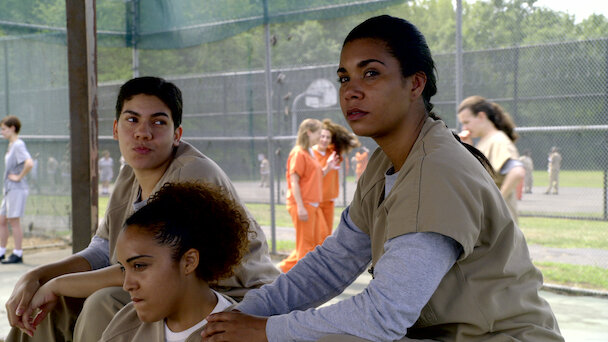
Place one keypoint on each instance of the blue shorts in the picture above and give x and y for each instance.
(13, 203)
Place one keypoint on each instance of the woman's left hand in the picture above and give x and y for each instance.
(234, 326)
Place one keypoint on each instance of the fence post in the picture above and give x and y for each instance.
(458, 38)
(82, 64)
(6, 78)
(605, 160)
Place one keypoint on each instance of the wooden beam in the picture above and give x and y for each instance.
(82, 65)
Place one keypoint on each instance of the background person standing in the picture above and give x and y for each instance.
(555, 164)
(18, 163)
(304, 193)
(264, 171)
(360, 161)
(106, 171)
(335, 142)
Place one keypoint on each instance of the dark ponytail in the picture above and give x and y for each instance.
(495, 113)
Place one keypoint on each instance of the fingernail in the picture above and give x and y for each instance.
(19, 312)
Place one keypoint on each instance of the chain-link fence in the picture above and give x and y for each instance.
(555, 88)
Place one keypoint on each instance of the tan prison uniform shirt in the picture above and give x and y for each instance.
(491, 293)
(255, 270)
(126, 327)
(498, 148)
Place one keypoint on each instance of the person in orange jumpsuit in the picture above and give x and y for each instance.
(334, 143)
(360, 161)
(304, 193)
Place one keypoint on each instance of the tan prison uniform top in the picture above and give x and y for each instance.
(126, 327)
(255, 270)
(491, 293)
(498, 148)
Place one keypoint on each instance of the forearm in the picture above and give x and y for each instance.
(27, 167)
(404, 280)
(71, 264)
(83, 284)
(318, 277)
(297, 192)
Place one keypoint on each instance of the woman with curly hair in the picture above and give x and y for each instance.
(335, 142)
(172, 251)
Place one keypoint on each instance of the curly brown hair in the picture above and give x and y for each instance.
(343, 140)
(197, 215)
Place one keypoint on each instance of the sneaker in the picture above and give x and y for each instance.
(1, 257)
(13, 259)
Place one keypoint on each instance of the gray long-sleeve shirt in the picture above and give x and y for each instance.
(404, 280)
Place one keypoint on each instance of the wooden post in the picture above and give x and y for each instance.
(82, 65)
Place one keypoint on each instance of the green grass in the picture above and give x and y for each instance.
(587, 277)
(563, 233)
(56, 205)
(283, 246)
(549, 232)
(261, 212)
(575, 179)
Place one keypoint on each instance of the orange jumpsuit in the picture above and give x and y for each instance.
(331, 190)
(361, 159)
(308, 232)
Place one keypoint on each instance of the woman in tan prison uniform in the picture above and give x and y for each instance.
(448, 261)
(495, 129)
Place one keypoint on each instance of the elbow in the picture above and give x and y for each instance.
(519, 173)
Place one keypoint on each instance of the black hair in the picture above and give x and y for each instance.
(407, 44)
(166, 91)
(196, 215)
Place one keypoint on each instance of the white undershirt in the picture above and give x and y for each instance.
(181, 336)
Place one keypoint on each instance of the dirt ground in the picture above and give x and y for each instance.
(36, 242)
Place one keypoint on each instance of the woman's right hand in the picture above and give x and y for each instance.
(302, 214)
(19, 301)
(42, 303)
(465, 137)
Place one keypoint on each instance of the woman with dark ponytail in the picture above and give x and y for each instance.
(447, 260)
(495, 129)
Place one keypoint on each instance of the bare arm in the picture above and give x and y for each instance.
(31, 281)
(83, 284)
(297, 195)
(27, 167)
(77, 285)
(512, 179)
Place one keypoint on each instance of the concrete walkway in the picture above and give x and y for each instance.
(581, 318)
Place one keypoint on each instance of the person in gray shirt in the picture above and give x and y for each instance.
(18, 163)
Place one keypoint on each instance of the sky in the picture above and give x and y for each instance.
(581, 9)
